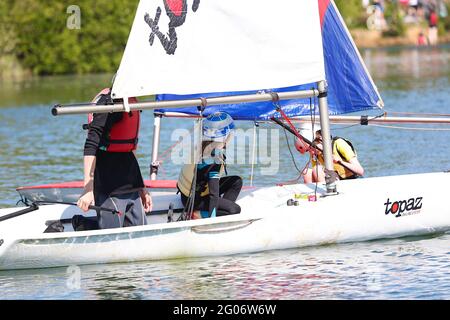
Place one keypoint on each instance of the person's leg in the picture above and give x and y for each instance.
(224, 207)
(130, 207)
(106, 219)
(200, 204)
(318, 174)
(307, 175)
(230, 187)
(133, 212)
(227, 207)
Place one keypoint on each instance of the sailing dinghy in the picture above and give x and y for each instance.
(250, 59)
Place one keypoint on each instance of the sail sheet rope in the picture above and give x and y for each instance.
(419, 114)
(409, 128)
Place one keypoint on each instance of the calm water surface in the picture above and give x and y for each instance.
(38, 148)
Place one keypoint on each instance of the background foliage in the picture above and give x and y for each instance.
(41, 41)
(34, 36)
(353, 13)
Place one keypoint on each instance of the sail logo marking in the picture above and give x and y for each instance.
(176, 10)
(402, 208)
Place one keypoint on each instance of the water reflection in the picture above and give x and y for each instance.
(414, 63)
(51, 90)
(400, 269)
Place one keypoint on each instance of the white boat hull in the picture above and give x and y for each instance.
(358, 213)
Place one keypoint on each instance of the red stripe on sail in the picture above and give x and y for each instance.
(176, 6)
(323, 6)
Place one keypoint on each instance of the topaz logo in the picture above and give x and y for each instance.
(403, 207)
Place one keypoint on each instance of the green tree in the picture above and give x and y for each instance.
(7, 34)
(352, 11)
(47, 46)
(394, 19)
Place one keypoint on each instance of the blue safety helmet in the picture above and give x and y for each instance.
(217, 127)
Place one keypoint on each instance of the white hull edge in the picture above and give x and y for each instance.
(358, 213)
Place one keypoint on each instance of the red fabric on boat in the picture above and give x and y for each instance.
(151, 184)
(155, 184)
(163, 184)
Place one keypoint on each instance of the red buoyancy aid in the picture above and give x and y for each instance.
(123, 136)
(433, 19)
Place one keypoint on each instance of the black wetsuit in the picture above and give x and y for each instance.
(222, 195)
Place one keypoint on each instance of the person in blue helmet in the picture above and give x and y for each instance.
(215, 192)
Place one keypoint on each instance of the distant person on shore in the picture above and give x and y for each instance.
(413, 7)
(433, 27)
(422, 40)
(379, 4)
(376, 20)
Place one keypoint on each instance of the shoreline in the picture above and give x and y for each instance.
(364, 39)
(369, 39)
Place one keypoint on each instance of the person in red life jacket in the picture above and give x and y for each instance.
(433, 27)
(421, 39)
(112, 177)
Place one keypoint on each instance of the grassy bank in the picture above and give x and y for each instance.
(12, 69)
(374, 39)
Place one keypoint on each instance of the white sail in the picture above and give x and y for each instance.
(195, 46)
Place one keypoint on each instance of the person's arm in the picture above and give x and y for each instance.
(354, 165)
(349, 159)
(146, 198)
(87, 197)
(94, 135)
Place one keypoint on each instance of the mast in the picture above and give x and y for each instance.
(326, 135)
(155, 148)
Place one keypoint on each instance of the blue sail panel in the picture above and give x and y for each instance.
(350, 87)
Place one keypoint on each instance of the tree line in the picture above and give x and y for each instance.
(44, 37)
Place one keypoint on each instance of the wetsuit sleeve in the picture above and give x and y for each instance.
(96, 128)
(213, 185)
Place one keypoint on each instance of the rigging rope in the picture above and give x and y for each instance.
(419, 114)
(253, 153)
(303, 171)
(409, 128)
(166, 152)
(290, 151)
(359, 124)
(198, 155)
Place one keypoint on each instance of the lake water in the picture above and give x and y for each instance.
(38, 148)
